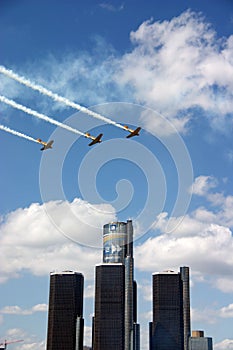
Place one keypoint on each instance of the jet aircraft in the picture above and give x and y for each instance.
(132, 132)
(95, 140)
(46, 145)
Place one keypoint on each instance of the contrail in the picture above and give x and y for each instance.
(9, 73)
(14, 132)
(39, 115)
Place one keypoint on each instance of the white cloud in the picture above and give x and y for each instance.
(32, 346)
(211, 315)
(179, 64)
(226, 344)
(227, 311)
(208, 251)
(160, 125)
(110, 7)
(188, 225)
(17, 310)
(224, 284)
(30, 241)
(204, 315)
(203, 184)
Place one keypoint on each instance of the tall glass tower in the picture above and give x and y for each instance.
(65, 318)
(118, 253)
(170, 329)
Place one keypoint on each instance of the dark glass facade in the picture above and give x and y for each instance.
(109, 307)
(65, 318)
(167, 330)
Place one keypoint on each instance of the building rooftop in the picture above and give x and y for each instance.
(65, 272)
(165, 272)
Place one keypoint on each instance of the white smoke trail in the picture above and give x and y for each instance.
(39, 115)
(9, 73)
(19, 134)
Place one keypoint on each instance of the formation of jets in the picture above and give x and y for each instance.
(95, 139)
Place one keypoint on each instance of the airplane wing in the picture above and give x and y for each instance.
(49, 144)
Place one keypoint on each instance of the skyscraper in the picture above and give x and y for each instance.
(170, 328)
(118, 254)
(65, 318)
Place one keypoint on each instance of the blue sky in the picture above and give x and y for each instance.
(164, 65)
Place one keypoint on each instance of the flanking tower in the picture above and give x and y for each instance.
(65, 318)
(170, 328)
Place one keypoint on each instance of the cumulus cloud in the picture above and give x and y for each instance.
(17, 310)
(179, 64)
(32, 346)
(227, 311)
(29, 240)
(211, 315)
(205, 315)
(224, 284)
(213, 245)
(226, 344)
(203, 184)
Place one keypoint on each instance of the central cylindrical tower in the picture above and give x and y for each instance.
(118, 250)
(114, 242)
